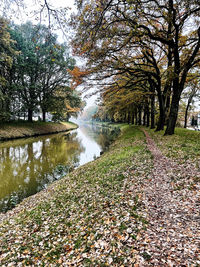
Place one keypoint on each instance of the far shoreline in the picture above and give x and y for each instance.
(19, 130)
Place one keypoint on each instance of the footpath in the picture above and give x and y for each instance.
(172, 237)
(137, 205)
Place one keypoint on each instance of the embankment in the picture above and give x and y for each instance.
(130, 207)
(16, 130)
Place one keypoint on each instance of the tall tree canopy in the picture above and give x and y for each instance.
(41, 66)
(155, 40)
(35, 73)
(6, 60)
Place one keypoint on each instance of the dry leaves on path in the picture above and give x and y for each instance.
(172, 237)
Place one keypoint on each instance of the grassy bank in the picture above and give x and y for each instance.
(184, 149)
(85, 218)
(183, 146)
(94, 216)
(25, 129)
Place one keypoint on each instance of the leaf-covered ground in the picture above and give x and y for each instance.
(131, 207)
(172, 208)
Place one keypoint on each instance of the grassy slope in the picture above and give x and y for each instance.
(26, 129)
(85, 217)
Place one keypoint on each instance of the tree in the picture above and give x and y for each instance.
(55, 62)
(26, 68)
(40, 68)
(164, 26)
(6, 60)
(192, 91)
(44, 12)
(65, 103)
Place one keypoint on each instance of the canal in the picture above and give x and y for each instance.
(29, 165)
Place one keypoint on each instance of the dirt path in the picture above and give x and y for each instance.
(172, 205)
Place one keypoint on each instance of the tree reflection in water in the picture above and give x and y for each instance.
(29, 165)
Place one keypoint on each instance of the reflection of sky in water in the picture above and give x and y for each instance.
(29, 165)
(37, 147)
(92, 149)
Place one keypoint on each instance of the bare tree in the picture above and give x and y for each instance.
(42, 11)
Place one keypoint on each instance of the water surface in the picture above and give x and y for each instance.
(29, 165)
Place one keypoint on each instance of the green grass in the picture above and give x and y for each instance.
(20, 129)
(91, 207)
(84, 218)
(183, 146)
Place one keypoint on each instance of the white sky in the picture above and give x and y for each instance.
(32, 8)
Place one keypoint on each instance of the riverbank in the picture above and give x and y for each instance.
(16, 130)
(133, 206)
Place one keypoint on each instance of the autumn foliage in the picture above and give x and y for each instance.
(77, 76)
(154, 45)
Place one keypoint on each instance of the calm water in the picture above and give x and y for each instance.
(29, 165)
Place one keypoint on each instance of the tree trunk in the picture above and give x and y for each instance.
(194, 90)
(167, 108)
(148, 115)
(152, 112)
(128, 117)
(132, 117)
(173, 114)
(144, 117)
(111, 118)
(7, 109)
(30, 115)
(140, 116)
(161, 121)
(186, 115)
(136, 117)
(124, 117)
(43, 116)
